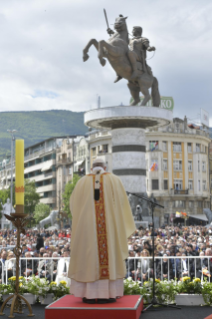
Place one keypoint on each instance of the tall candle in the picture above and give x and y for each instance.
(19, 172)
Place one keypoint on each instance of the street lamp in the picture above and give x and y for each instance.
(11, 183)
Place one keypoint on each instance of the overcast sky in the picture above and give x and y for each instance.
(41, 44)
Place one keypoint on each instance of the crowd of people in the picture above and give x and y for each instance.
(186, 242)
(42, 252)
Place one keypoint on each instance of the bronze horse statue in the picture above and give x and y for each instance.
(115, 50)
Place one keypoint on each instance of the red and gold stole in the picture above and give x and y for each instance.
(101, 231)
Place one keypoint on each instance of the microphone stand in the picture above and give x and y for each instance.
(153, 301)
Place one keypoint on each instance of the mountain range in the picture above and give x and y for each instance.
(35, 126)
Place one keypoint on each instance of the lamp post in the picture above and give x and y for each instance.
(11, 185)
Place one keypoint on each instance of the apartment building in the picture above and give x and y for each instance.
(177, 168)
(81, 155)
(50, 164)
(100, 145)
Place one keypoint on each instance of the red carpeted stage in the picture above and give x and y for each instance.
(127, 307)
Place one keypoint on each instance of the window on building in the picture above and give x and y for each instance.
(155, 184)
(198, 166)
(165, 165)
(179, 203)
(203, 166)
(197, 148)
(203, 149)
(153, 145)
(178, 184)
(204, 187)
(177, 165)
(199, 186)
(93, 151)
(164, 146)
(190, 165)
(189, 148)
(105, 148)
(199, 204)
(191, 204)
(190, 184)
(177, 147)
(165, 184)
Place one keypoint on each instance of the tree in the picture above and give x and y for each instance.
(41, 211)
(31, 198)
(67, 193)
(3, 196)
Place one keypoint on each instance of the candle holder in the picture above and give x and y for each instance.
(19, 220)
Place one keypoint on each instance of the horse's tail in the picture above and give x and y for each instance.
(155, 93)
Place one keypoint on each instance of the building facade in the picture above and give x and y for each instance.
(177, 168)
(100, 145)
(50, 164)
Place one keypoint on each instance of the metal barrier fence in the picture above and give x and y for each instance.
(39, 266)
(139, 268)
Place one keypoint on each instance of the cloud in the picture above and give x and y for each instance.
(41, 47)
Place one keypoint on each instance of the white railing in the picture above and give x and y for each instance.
(25, 269)
(134, 267)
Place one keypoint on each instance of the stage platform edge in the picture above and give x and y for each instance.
(126, 307)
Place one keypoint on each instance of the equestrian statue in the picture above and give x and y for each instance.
(128, 58)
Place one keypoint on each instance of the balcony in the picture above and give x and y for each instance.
(48, 200)
(65, 161)
(181, 191)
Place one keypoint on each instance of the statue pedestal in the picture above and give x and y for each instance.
(128, 125)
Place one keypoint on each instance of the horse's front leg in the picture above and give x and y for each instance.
(87, 47)
(101, 45)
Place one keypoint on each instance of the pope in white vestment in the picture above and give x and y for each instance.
(101, 223)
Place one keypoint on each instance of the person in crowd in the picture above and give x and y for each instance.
(62, 269)
(200, 264)
(144, 267)
(28, 266)
(185, 267)
(45, 267)
(165, 270)
(40, 242)
(130, 264)
(54, 266)
(10, 265)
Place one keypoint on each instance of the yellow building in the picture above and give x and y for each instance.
(177, 168)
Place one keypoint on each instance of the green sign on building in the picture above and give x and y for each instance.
(166, 102)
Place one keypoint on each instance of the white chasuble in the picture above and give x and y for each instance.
(100, 229)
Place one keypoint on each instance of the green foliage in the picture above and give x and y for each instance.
(132, 287)
(67, 193)
(31, 198)
(38, 286)
(59, 290)
(41, 212)
(50, 123)
(187, 286)
(207, 293)
(3, 196)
